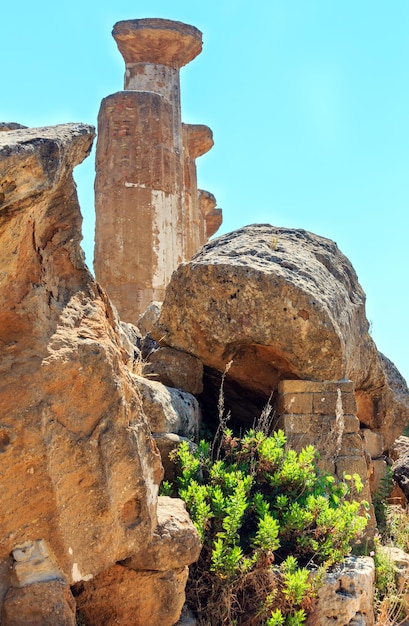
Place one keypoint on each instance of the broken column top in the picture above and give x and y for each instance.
(154, 40)
(199, 138)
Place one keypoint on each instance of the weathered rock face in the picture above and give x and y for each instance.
(280, 303)
(39, 604)
(123, 596)
(169, 410)
(346, 596)
(79, 469)
(148, 588)
(400, 467)
(149, 216)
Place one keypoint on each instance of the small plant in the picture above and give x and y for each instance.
(389, 598)
(264, 513)
(379, 500)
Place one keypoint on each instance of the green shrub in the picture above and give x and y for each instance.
(264, 513)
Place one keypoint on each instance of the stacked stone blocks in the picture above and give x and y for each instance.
(323, 414)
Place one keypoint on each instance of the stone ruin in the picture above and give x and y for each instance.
(84, 436)
(150, 215)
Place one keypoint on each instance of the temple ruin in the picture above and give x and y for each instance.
(150, 215)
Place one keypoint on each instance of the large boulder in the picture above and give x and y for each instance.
(280, 303)
(79, 469)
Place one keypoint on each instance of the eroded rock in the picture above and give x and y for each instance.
(79, 469)
(39, 604)
(121, 595)
(400, 470)
(175, 542)
(346, 595)
(175, 368)
(168, 410)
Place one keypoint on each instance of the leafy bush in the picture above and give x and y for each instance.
(264, 514)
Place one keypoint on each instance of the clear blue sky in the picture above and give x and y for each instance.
(308, 101)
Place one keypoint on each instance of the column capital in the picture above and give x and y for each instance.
(157, 41)
(199, 139)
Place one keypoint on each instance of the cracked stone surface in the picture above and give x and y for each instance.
(78, 466)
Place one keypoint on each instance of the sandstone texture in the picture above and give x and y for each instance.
(175, 542)
(168, 410)
(39, 604)
(147, 588)
(346, 596)
(174, 369)
(123, 596)
(281, 303)
(79, 469)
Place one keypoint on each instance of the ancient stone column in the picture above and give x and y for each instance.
(145, 209)
(197, 140)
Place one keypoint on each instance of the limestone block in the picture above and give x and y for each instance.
(148, 319)
(325, 403)
(39, 604)
(168, 409)
(129, 337)
(175, 542)
(346, 596)
(157, 41)
(174, 368)
(33, 563)
(297, 403)
(121, 595)
(400, 448)
(322, 427)
(315, 386)
(372, 442)
(378, 474)
(351, 445)
(351, 465)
